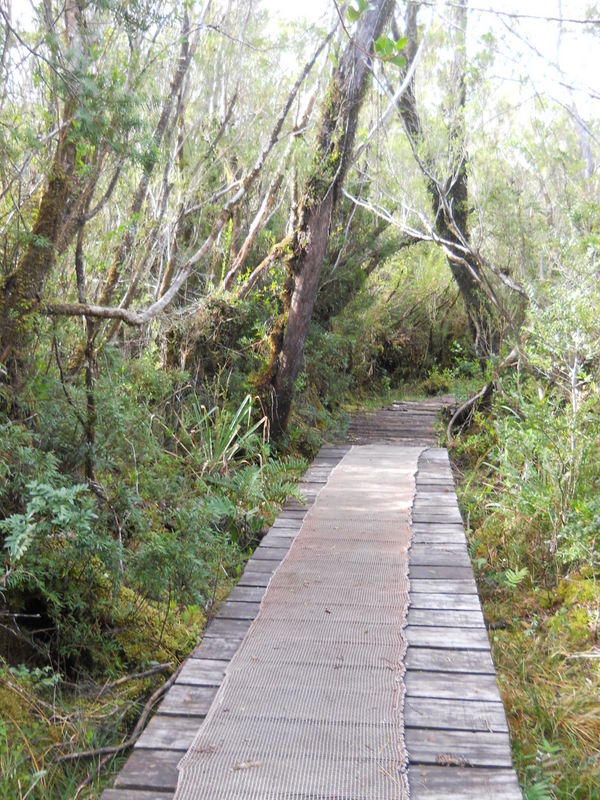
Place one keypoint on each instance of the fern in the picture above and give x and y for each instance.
(513, 578)
(49, 511)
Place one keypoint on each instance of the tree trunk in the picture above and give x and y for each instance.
(450, 200)
(335, 141)
(21, 288)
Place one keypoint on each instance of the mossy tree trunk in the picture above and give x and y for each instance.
(336, 136)
(21, 288)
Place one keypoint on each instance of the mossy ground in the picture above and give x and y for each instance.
(44, 716)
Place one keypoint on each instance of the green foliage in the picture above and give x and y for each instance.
(123, 574)
(513, 578)
(50, 512)
(531, 494)
(38, 676)
(437, 382)
(354, 12)
(540, 790)
(115, 573)
(220, 436)
(389, 50)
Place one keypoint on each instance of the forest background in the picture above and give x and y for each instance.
(220, 232)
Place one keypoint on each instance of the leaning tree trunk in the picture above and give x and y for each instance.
(21, 288)
(335, 141)
(450, 199)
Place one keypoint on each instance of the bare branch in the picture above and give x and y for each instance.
(89, 310)
(268, 201)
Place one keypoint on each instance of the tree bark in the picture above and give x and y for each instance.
(332, 159)
(450, 199)
(21, 288)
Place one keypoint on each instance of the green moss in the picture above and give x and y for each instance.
(146, 633)
(571, 624)
(436, 383)
(578, 591)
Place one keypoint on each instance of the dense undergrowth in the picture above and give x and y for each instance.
(530, 475)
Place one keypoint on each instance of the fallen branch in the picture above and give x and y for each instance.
(137, 731)
(467, 409)
(109, 687)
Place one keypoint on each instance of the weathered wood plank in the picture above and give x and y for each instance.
(441, 490)
(442, 783)
(202, 672)
(254, 579)
(309, 487)
(134, 794)
(437, 658)
(247, 594)
(436, 512)
(316, 472)
(450, 686)
(265, 553)
(436, 484)
(432, 515)
(447, 638)
(446, 618)
(292, 514)
(471, 748)
(282, 523)
(441, 573)
(435, 500)
(236, 609)
(227, 627)
(458, 602)
(466, 715)
(165, 732)
(437, 508)
(455, 537)
(257, 565)
(335, 450)
(466, 586)
(422, 548)
(278, 539)
(218, 648)
(437, 527)
(182, 700)
(438, 556)
(154, 770)
(294, 505)
(435, 468)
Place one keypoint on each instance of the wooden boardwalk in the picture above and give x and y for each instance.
(455, 726)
